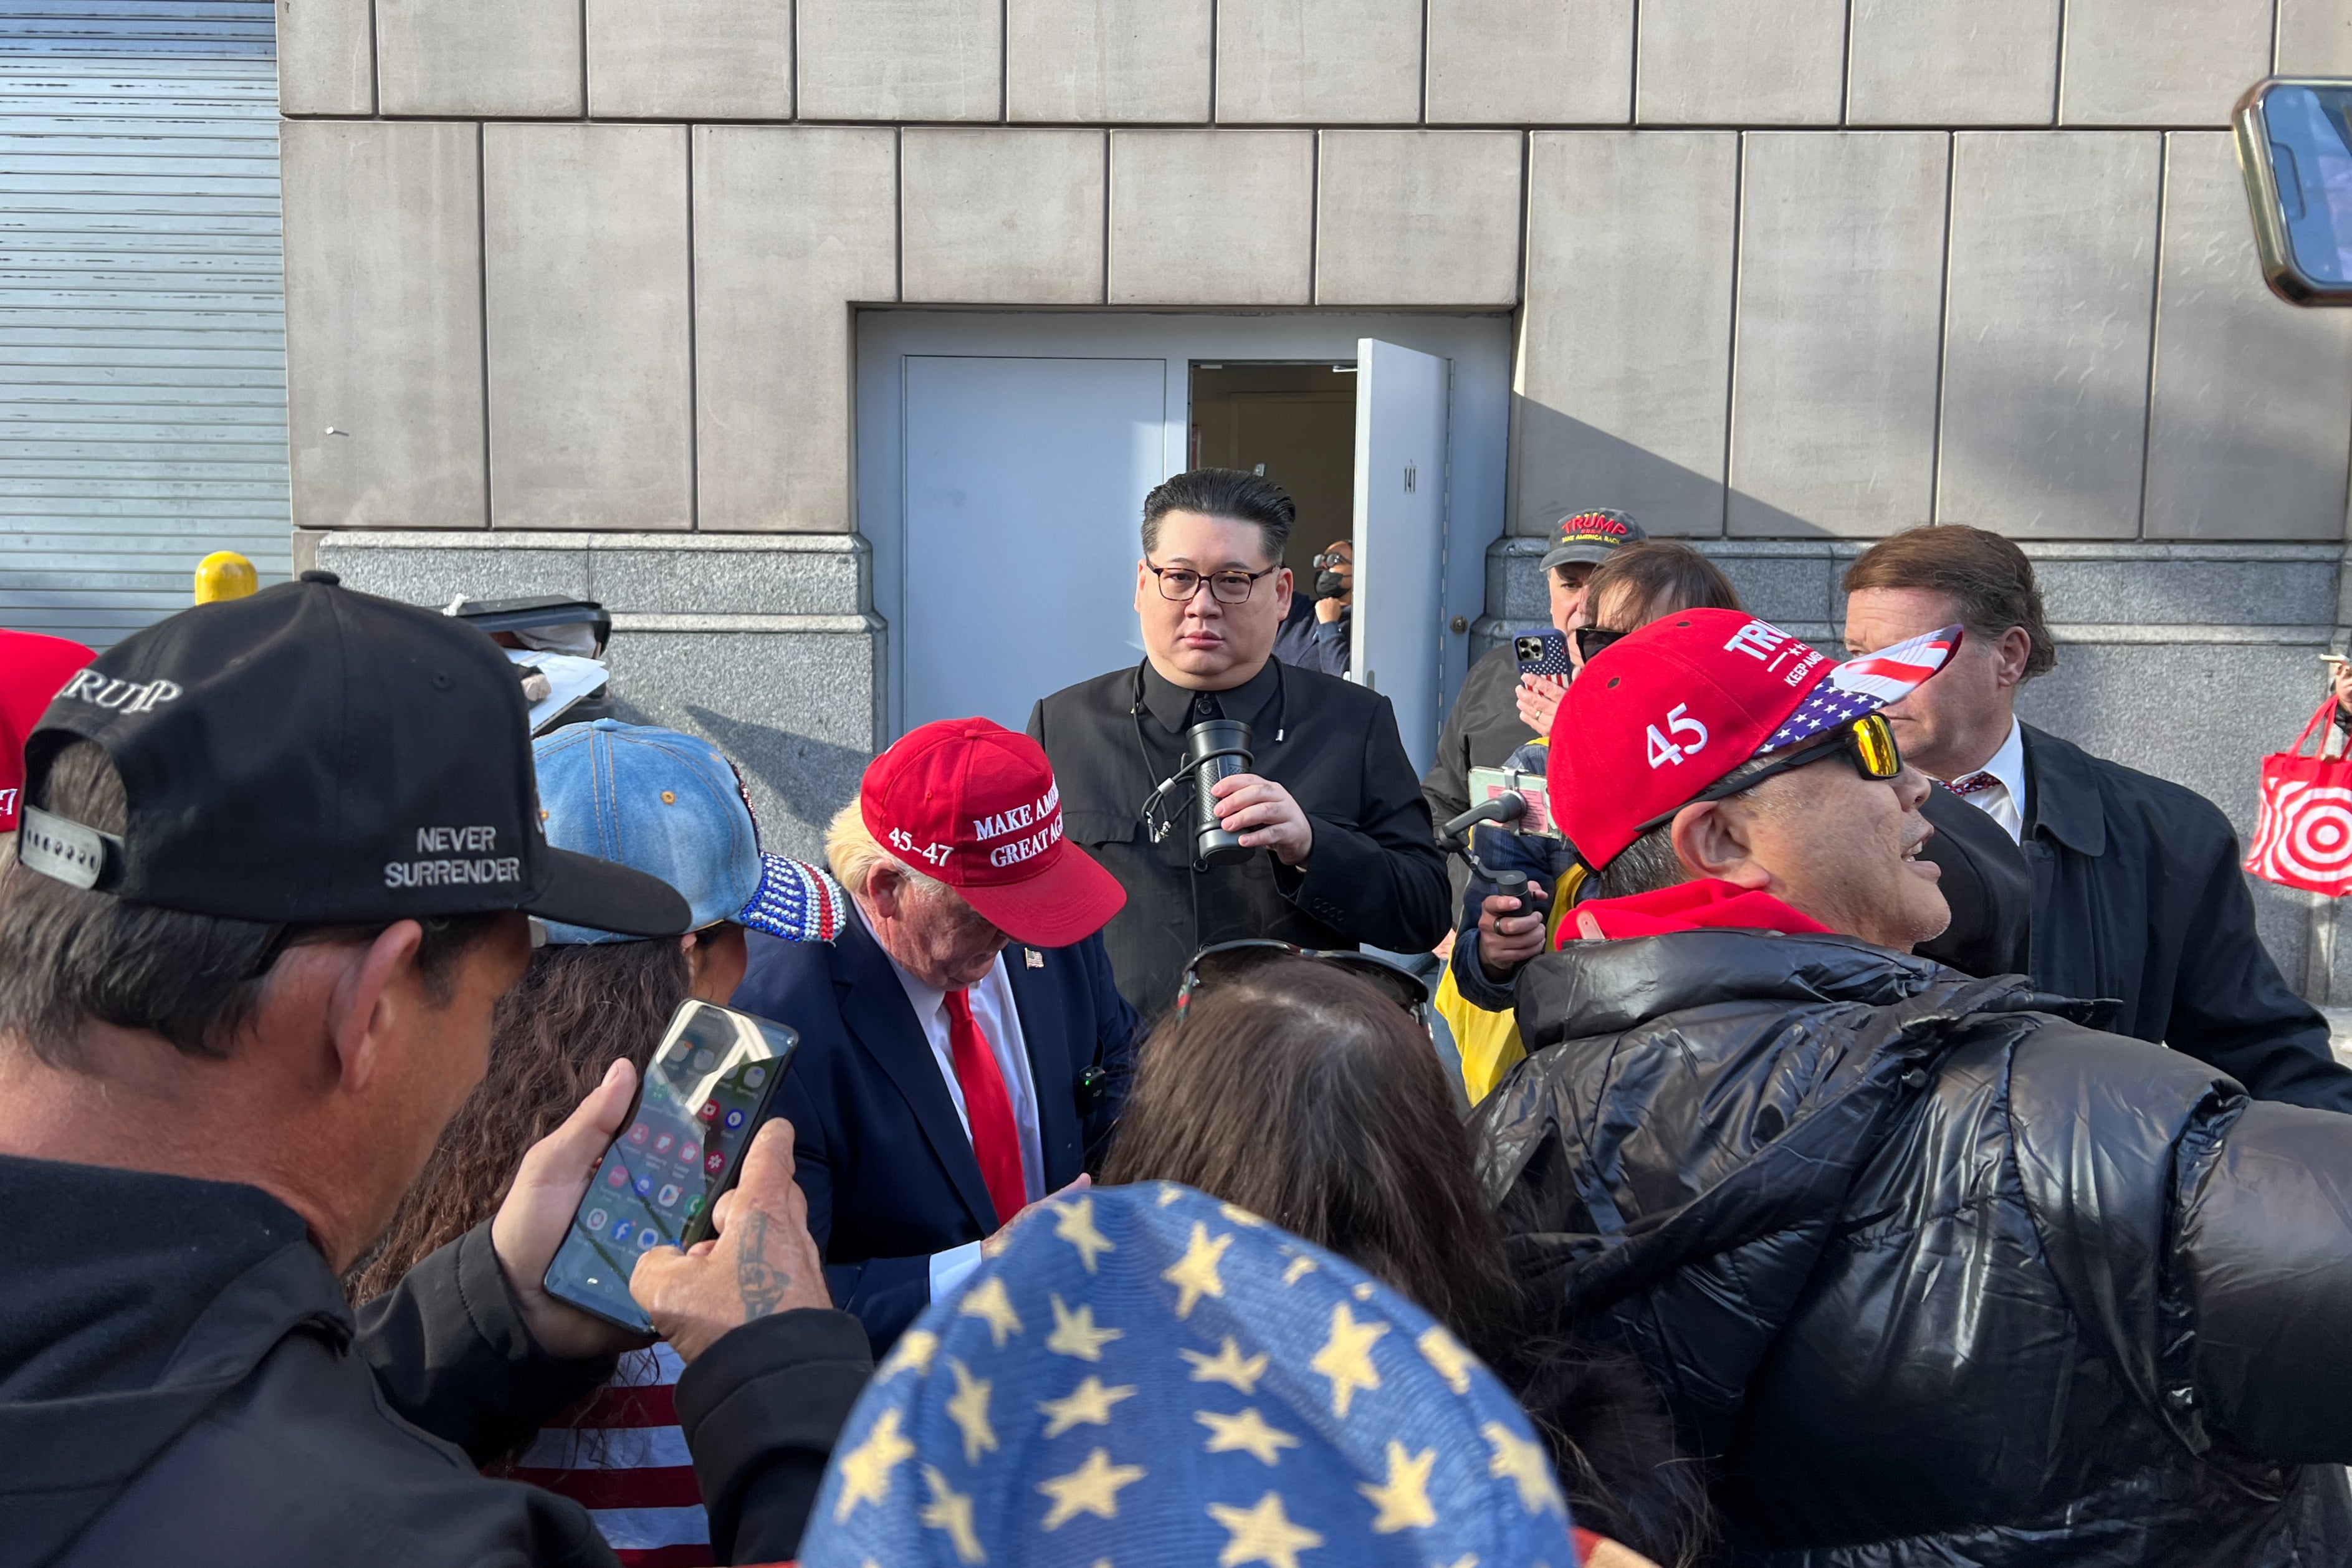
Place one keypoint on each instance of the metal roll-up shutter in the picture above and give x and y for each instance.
(142, 328)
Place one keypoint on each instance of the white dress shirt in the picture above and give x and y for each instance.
(994, 1010)
(2003, 799)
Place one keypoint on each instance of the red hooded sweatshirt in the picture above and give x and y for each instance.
(1689, 906)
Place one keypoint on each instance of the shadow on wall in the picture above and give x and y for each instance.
(1565, 465)
(796, 781)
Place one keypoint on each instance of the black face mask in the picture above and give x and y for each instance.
(1328, 586)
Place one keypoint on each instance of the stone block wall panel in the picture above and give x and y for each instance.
(1418, 217)
(1009, 217)
(384, 314)
(1740, 62)
(326, 58)
(791, 223)
(691, 59)
(1624, 362)
(2252, 398)
(586, 300)
(1530, 62)
(2315, 39)
(1319, 62)
(2047, 332)
(778, 665)
(901, 60)
(1212, 217)
(746, 691)
(433, 571)
(2161, 62)
(1953, 62)
(2211, 588)
(1108, 61)
(518, 59)
(1841, 275)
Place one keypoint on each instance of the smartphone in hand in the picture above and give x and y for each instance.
(1543, 653)
(701, 1097)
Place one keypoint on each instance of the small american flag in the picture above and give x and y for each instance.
(1865, 685)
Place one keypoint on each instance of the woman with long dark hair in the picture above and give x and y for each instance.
(1301, 1093)
(672, 806)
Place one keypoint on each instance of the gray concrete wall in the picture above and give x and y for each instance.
(573, 288)
(1791, 269)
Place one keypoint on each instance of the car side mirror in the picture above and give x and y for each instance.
(2294, 148)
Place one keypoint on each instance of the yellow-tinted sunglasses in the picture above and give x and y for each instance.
(1868, 743)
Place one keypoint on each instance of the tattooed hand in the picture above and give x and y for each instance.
(764, 1260)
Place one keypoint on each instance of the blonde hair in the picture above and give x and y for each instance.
(853, 852)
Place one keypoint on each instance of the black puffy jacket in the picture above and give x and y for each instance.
(1935, 1273)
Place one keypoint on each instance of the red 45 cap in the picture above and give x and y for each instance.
(971, 803)
(1658, 716)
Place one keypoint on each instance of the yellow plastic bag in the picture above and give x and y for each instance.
(1488, 1043)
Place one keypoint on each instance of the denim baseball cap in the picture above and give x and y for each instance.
(673, 806)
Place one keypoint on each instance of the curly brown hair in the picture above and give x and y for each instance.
(551, 1040)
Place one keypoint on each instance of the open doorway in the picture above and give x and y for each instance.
(1003, 459)
(1295, 424)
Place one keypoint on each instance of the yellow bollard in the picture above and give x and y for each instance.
(224, 575)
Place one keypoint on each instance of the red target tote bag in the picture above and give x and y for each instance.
(2305, 836)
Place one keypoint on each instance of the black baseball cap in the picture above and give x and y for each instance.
(1590, 536)
(313, 755)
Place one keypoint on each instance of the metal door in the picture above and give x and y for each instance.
(1401, 477)
(1025, 485)
(142, 343)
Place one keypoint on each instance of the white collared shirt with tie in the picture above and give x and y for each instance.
(994, 1010)
(1998, 789)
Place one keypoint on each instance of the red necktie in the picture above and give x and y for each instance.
(1975, 784)
(995, 1141)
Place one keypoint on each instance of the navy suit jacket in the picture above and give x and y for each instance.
(886, 1164)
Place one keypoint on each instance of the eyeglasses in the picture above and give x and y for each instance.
(1868, 743)
(1332, 561)
(1181, 582)
(1228, 961)
(1591, 640)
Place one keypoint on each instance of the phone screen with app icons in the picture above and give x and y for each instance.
(705, 1094)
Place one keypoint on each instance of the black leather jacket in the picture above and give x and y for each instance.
(1933, 1272)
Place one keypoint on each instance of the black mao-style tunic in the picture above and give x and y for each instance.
(1375, 876)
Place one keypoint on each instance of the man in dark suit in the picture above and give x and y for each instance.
(2137, 896)
(1330, 796)
(963, 1048)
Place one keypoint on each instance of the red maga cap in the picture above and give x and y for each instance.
(975, 806)
(1659, 715)
(32, 669)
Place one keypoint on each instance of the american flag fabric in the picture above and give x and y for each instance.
(795, 901)
(1865, 685)
(619, 1454)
